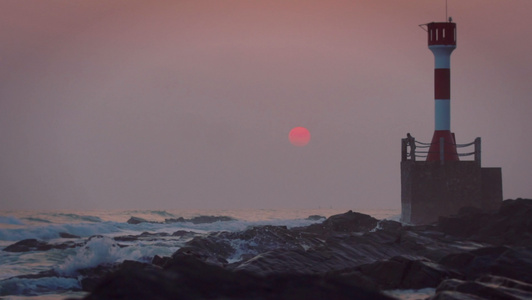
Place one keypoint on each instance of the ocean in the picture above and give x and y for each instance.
(95, 231)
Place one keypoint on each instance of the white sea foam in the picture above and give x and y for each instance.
(105, 250)
(241, 248)
(99, 250)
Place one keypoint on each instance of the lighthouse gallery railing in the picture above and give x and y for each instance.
(409, 149)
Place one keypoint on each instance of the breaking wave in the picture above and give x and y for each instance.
(76, 217)
(37, 286)
(37, 220)
(10, 220)
(52, 231)
(103, 250)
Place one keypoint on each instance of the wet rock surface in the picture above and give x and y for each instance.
(38, 245)
(66, 235)
(474, 255)
(347, 222)
(28, 245)
(189, 278)
(511, 225)
(485, 287)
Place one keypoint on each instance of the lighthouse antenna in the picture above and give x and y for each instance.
(446, 18)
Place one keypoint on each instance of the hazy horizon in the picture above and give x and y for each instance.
(188, 104)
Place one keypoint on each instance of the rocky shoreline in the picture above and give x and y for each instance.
(473, 255)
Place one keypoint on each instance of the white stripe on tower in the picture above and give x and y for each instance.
(442, 85)
(442, 114)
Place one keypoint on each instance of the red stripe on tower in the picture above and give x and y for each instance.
(442, 84)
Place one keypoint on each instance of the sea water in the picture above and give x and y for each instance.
(102, 226)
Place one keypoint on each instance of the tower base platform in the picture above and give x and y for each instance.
(430, 189)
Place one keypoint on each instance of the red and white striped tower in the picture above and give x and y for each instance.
(442, 42)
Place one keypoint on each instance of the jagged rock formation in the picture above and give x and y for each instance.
(473, 255)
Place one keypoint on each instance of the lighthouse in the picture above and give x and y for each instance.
(442, 42)
(442, 184)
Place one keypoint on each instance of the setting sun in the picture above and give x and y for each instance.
(299, 136)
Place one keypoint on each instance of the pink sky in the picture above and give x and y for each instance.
(188, 104)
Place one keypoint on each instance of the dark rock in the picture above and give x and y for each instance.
(514, 263)
(510, 225)
(157, 234)
(126, 238)
(28, 245)
(354, 275)
(209, 249)
(67, 245)
(335, 253)
(347, 222)
(487, 288)
(220, 247)
(517, 207)
(200, 219)
(265, 238)
(181, 233)
(137, 220)
(188, 278)
(406, 273)
(455, 255)
(386, 274)
(145, 236)
(210, 219)
(457, 260)
(423, 273)
(276, 249)
(389, 225)
(474, 263)
(463, 225)
(290, 261)
(506, 282)
(175, 220)
(92, 277)
(315, 217)
(66, 235)
(161, 261)
(449, 285)
(452, 295)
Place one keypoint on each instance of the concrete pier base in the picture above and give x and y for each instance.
(432, 189)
